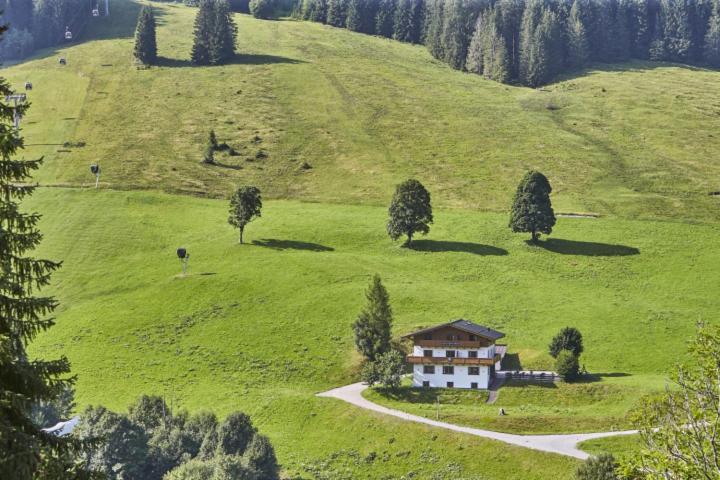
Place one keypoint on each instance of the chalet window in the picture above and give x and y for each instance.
(448, 370)
(473, 370)
(450, 353)
(426, 384)
(473, 385)
(427, 336)
(472, 354)
(473, 338)
(450, 384)
(427, 353)
(429, 369)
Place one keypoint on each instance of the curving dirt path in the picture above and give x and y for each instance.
(563, 444)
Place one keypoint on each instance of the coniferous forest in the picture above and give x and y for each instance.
(531, 41)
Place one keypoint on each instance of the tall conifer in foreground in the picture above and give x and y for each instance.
(373, 326)
(202, 33)
(224, 33)
(26, 452)
(532, 211)
(145, 42)
(712, 37)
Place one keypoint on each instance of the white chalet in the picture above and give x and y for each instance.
(459, 354)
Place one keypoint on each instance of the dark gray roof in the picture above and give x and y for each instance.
(465, 326)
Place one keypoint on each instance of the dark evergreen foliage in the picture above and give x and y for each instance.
(260, 458)
(373, 326)
(567, 365)
(145, 42)
(531, 41)
(26, 451)
(410, 211)
(262, 8)
(532, 211)
(214, 33)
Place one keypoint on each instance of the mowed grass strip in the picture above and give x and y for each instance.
(363, 113)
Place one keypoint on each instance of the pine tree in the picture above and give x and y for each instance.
(202, 33)
(373, 327)
(676, 29)
(458, 21)
(475, 56)
(640, 28)
(403, 24)
(337, 13)
(620, 32)
(224, 33)
(357, 16)
(656, 50)
(433, 30)
(145, 43)
(418, 21)
(24, 448)
(508, 22)
(320, 12)
(495, 56)
(712, 38)
(528, 61)
(532, 210)
(385, 19)
(578, 47)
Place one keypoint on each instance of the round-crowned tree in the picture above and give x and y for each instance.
(568, 338)
(532, 211)
(567, 365)
(410, 211)
(245, 205)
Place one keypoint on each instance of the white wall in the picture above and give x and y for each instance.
(485, 352)
(460, 378)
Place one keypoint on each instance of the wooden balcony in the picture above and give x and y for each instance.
(452, 360)
(452, 343)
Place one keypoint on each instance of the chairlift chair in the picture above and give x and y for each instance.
(28, 86)
(62, 61)
(68, 33)
(95, 12)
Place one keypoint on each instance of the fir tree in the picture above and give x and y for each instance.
(458, 21)
(145, 43)
(639, 28)
(25, 450)
(320, 12)
(495, 56)
(202, 33)
(578, 48)
(532, 210)
(676, 29)
(410, 211)
(356, 15)
(373, 326)
(224, 33)
(656, 50)
(508, 22)
(712, 38)
(418, 21)
(337, 13)
(529, 62)
(403, 24)
(433, 31)
(210, 149)
(385, 18)
(475, 56)
(620, 32)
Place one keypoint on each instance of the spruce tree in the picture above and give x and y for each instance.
(202, 33)
(656, 50)
(385, 18)
(712, 38)
(532, 210)
(145, 43)
(676, 29)
(320, 12)
(578, 48)
(418, 21)
(337, 13)
(410, 211)
(458, 21)
(433, 31)
(475, 56)
(528, 61)
(356, 15)
(510, 14)
(403, 24)
(373, 327)
(224, 33)
(495, 55)
(25, 450)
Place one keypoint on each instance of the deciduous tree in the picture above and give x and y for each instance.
(410, 211)
(532, 211)
(245, 206)
(568, 338)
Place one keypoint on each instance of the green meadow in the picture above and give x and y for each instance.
(263, 327)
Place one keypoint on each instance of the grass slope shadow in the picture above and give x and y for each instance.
(449, 246)
(291, 245)
(588, 249)
(238, 59)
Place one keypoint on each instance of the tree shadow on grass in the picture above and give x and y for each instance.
(447, 246)
(598, 377)
(291, 245)
(239, 59)
(588, 249)
(511, 361)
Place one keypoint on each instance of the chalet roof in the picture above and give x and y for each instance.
(465, 326)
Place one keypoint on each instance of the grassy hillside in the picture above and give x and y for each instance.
(365, 113)
(265, 326)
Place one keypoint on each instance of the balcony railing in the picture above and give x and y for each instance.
(452, 360)
(452, 343)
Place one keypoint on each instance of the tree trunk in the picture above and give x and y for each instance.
(534, 236)
(409, 240)
(241, 235)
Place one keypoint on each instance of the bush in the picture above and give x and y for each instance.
(262, 8)
(386, 370)
(567, 366)
(597, 468)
